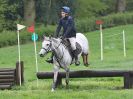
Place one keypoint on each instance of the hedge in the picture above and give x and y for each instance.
(83, 25)
(9, 38)
(89, 24)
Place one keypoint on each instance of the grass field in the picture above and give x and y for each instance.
(87, 88)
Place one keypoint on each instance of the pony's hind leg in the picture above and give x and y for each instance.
(85, 59)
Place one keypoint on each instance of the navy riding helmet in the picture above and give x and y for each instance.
(66, 9)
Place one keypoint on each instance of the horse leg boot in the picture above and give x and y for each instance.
(50, 60)
(76, 58)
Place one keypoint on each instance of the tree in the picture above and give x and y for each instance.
(120, 5)
(29, 12)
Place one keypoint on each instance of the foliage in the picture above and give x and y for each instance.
(88, 24)
(9, 13)
(3, 4)
(111, 6)
(83, 25)
(47, 11)
(89, 8)
(129, 5)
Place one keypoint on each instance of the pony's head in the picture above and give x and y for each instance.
(47, 44)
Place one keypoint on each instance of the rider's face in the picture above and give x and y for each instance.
(63, 14)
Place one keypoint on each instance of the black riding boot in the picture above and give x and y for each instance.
(50, 60)
(76, 58)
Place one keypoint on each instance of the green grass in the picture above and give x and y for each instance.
(92, 88)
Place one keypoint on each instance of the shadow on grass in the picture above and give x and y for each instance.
(93, 85)
(88, 88)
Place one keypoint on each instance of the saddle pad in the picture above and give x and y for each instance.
(68, 46)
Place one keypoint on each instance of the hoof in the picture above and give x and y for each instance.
(86, 64)
(77, 63)
(52, 90)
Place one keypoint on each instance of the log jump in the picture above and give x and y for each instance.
(10, 76)
(127, 75)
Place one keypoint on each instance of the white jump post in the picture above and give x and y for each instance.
(35, 54)
(100, 22)
(34, 38)
(124, 43)
(19, 27)
(101, 37)
(19, 58)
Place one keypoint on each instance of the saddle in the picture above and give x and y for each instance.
(67, 44)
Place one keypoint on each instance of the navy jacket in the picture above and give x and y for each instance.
(68, 27)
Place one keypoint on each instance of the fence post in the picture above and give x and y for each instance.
(127, 80)
(17, 73)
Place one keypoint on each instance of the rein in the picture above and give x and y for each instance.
(56, 56)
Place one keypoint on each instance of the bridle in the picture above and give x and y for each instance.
(49, 47)
(58, 59)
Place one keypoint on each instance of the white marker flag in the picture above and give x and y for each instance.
(19, 27)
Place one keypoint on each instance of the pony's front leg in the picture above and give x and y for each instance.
(67, 76)
(56, 71)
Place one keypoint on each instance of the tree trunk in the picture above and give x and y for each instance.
(29, 12)
(120, 5)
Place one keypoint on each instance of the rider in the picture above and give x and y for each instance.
(69, 31)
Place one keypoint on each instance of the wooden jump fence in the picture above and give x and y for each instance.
(11, 76)
(127, 75)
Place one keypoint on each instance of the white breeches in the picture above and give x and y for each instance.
(73, 42)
